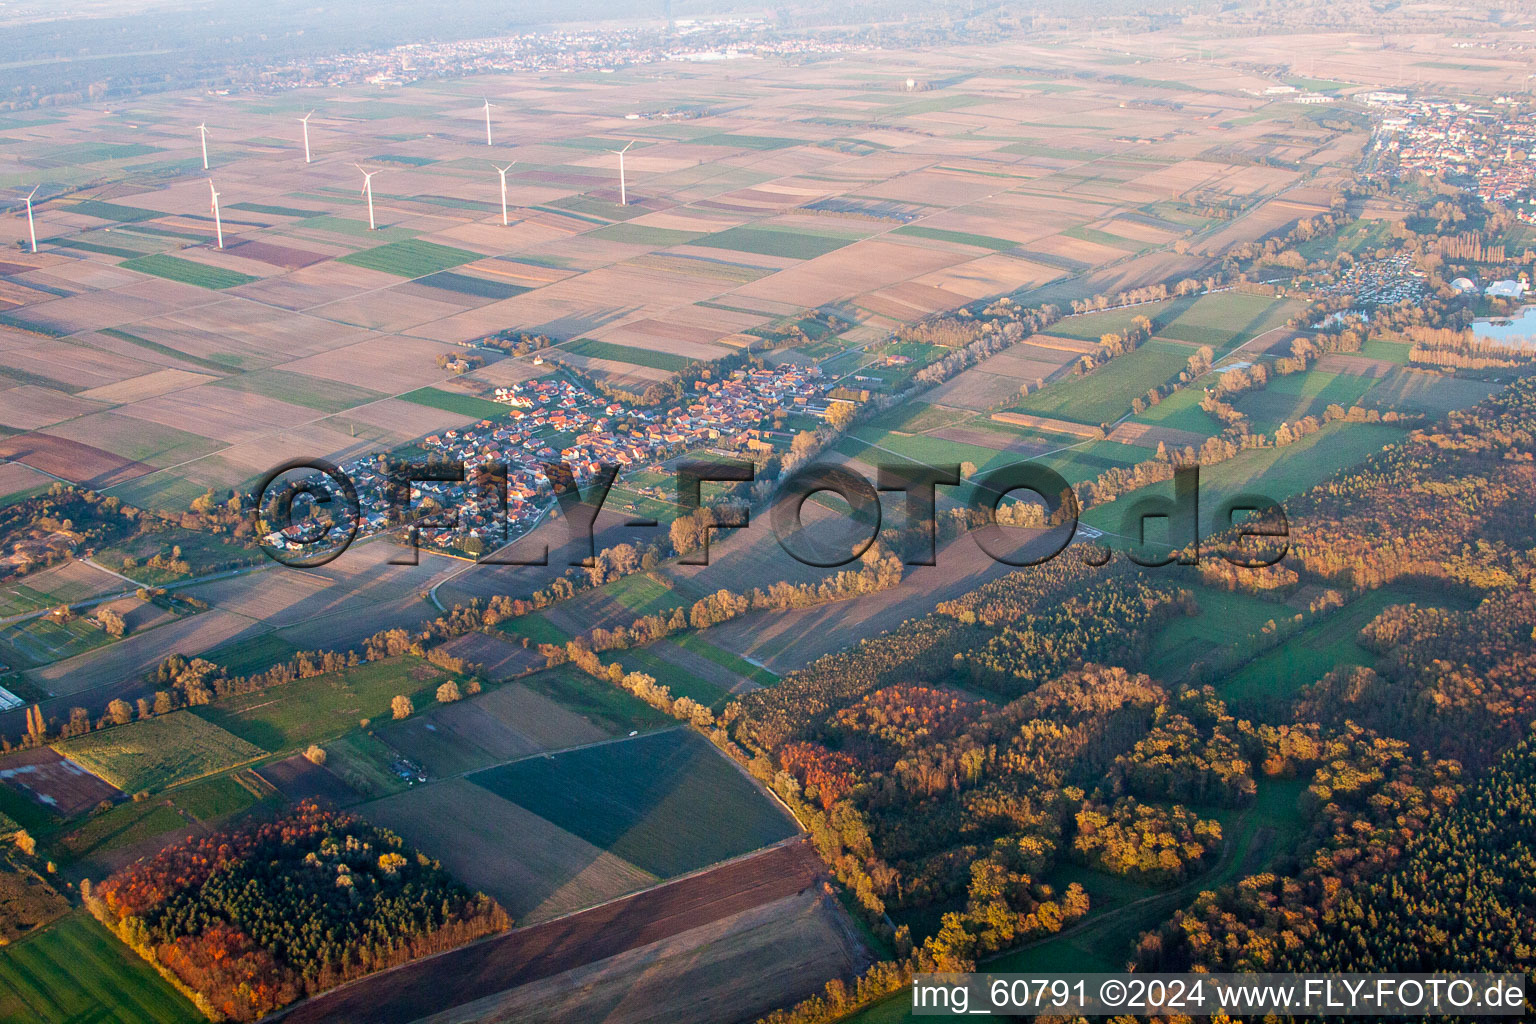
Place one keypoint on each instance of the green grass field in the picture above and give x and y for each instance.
(1105, 395)
(1093, 326)
(451, 401)
(313, 710)
(917, 417)
(641, 594)
(114, 212)
(259, 653)
(1433, 394)
(1388, 351)
(173, 268)
(76, 972)
(1321, 647)
(680, 682)
(755, 142)
(535, 627)
(214, 799)
(361, 760)
(153, 753)
(1224, 320)
(1274, 473)
(410, 258)
(1289, 398)
(605, 705)
(1098, 237)
(773, 242)
(594, 349)
(697, 644)
(125, 824)
(1225, 617)
(1181, 411)
(666, 802)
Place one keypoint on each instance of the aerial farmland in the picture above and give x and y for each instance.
(673, 765)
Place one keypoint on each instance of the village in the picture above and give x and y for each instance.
(556, 419)
(1491, 147)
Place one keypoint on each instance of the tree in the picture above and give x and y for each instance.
(402, 707)
(840, 414)
(111, 622)
(120, 712)
(25, 843)
(446, 694)
(315, 754)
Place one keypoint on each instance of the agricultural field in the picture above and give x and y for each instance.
(499, 725)
(155, 753)
(665, 802)
(76, 970)
(53, 782)
(410, 258)
(175, 269)
(626, 354)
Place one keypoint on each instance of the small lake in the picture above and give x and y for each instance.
(1510, 330)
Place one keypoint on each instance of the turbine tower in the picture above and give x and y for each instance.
(623, 194)
(487, 120)
(31, 227)
(218, 225)
(368, 191)
(305, 122)
(203, 128)
(503, 172)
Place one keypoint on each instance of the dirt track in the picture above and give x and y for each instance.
(528, 954)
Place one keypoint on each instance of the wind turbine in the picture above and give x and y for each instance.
(368, 191)
(305, 122)
(503, 172)
(218, 225)
(623, 195)
(487, 120)
(204, 129)
(31, 227)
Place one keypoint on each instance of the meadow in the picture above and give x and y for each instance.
(1105, 394)
(1224, 320)
(1181, 411)
(321, 708)
(666, 802)
(679, 681)
(1322, 646)
(1289, 398)
(75, 971)
(1274, 473)
(603, 704)
(157, 752)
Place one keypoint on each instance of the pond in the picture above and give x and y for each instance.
(1515, 330)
